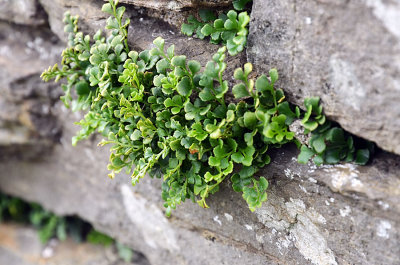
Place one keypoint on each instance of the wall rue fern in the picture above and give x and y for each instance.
(166, 116)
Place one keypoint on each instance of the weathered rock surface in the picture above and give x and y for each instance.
(26, 119)
(90, 16)
(342, 214)
(177, 4)
(26, 12)
(346, 52)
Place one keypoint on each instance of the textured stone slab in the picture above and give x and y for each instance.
(177, 4)
(90, 16)
(346, 52)
(26, 120)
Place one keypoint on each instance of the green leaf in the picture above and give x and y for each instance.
(168, 102)
(209, 177)
(248, 138)
(206, 95)
(335, 135)
(133, 55)
(244, 19)
(214, 161)
(124, 252)
(82, 88)
(229, 169)
(207, 15)
(175, 145)
(179, 61)
(48, 230)
(313, 102)
(184, 87)
(207, 30)
(246, 172)
(107, 9)
(218, 24)
(248, 155)
(98, 238)
(194, 66)
(250, 119)
(239, 74)
(230, 24)
(230, 116)
(188, 29)
(162, 66)
(318, 160)
(297, 112)
(284, 108)
(248, 68)
(222, 89)
(240, 4)
(159, 42)
(307, 115)
(219, 151)
(175, 110)
(310, 125)
(198, 132)
(237, 157)
(262, 84)
(198, 189)
(240, 91)
(262, 116)
(239, 182)
(362, 156)
(171, 51)
(263, 184)
(112, 23)
(332, 156)
(95, 59)
(273, 73)
(319, 144)
(120, 12)
(305, 155)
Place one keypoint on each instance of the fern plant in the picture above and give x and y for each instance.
(329, 144)
(166, 116)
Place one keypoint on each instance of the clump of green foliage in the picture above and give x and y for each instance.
(50, 225)
(230, 29)
(166, 116)
(329, 144)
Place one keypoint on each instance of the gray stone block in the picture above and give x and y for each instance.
(346, 52)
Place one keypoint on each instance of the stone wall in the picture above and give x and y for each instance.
(346, 52)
